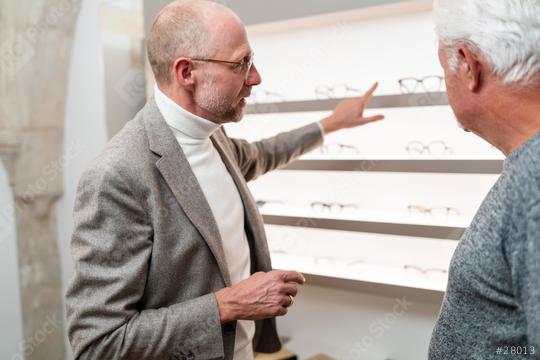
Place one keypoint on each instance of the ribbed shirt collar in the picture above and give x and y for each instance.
(181, 120)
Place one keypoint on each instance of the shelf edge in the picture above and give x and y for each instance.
(494, 167)
(377, 102)
(414, 230)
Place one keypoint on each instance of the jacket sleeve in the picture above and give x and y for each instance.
(257, 158)
(111, 248)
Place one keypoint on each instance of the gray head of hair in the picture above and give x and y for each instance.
(505, 32)
(181, 29)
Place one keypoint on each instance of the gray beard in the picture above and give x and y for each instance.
(219, 106)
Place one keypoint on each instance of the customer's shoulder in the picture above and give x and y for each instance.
(527, 161)
(523, 171)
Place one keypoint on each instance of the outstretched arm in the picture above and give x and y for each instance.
(257, 158)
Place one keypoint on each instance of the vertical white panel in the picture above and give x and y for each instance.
(85, 128)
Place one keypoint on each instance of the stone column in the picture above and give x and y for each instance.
(35, 48)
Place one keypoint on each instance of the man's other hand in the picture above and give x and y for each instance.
(261, 296)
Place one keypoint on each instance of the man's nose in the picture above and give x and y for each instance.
(253, 78)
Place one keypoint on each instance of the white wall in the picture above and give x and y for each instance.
(10, 301)
(85, 128)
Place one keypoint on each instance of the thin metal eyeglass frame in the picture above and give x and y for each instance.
(247, 64)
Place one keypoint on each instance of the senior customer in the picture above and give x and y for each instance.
(491, 58)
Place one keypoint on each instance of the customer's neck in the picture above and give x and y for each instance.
(514, 117)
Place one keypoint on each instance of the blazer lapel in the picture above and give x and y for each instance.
(253, 218)
(176, 170)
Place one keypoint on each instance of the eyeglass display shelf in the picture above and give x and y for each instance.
(449, 227)
(376, 102)
(363, 277)
(461, 165)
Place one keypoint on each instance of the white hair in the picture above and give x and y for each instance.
(506, 32)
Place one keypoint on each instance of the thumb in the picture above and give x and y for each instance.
(369, 119)
(293, 276)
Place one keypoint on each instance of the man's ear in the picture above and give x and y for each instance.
(470, 68)
(183, 73)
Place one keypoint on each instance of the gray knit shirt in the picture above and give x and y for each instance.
(492, 303)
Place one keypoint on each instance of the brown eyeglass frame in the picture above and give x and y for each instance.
(236, 63)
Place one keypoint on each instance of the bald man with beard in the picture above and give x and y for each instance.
(171, 259)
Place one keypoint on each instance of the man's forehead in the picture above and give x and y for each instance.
(229, 33)
(237, 48)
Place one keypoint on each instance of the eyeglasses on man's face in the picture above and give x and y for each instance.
(242, 67)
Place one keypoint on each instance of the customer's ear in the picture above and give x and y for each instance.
(470, 68)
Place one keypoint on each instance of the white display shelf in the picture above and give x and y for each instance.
(362, 272)
(382, 216)
(383, 239)
(372, 221)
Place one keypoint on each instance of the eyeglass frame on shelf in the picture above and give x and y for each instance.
(341, 147)
(426, 148)
(331, 89)
(423, 270)
(279, 251)
(262, 203)
(425, 210)
(421, 82)
(328, 206)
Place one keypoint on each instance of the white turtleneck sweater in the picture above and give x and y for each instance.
(193, 134)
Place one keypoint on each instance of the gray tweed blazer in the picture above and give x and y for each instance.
(147, 251)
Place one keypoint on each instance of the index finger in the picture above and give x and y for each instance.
(369, 94)
(293, 276)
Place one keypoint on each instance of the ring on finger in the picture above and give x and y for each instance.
(292, 301)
